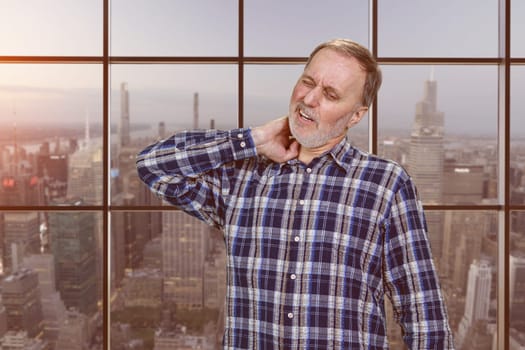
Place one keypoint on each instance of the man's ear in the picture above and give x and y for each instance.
(357, 116)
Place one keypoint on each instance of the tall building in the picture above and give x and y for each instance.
(196, 110)
(53, 308)
(74, 332)
(184, 244)
(124, 131)
(21, 237)
(425, 163)
(463, 183)
(85, 176)
(477, 303)
(74, 247)
(21, 298)
(125, 250)
(517, 291)
(162, 131)
(19, 340)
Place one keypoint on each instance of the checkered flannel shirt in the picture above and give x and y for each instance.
(311, 249)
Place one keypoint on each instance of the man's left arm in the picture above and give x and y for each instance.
(411, 280)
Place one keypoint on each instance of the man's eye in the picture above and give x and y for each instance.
(331, 96)
(308, 82)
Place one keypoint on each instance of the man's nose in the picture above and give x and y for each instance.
(313, 96)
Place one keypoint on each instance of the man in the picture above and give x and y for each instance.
(316, 231)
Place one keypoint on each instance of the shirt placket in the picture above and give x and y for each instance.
(295, 256)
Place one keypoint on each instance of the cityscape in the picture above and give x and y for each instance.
(167, 275)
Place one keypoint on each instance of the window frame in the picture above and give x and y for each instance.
(503, 62)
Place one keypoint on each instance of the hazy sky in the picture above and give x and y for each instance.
(467, 28)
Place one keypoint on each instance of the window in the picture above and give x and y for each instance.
(83, 241)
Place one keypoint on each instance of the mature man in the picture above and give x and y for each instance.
(317, 232)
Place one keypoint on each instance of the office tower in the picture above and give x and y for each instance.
(162, 131)
(196, 110)
(463, 183)
(126, 252)
(74, 248)
(142, 288)
(516, 340)
(152, 256)
(425, 163)
(124, 132)
(459, 250)
(19, 340)
(21, 298)
(22, 189)
(21, 237)
(477, 303)
(53, 308)
(3, 319)
(517, 291)
(85, 178)
(74, 332)
(184, 248)
(52, 169)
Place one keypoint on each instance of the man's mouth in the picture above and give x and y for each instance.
(305, 116)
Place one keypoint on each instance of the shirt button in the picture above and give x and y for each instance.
(243, 144)
(308, 170)
(240, 136)
(301, 202)
(297, 238)
(293, 276)
(290, 315)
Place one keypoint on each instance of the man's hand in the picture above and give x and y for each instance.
(273, 140)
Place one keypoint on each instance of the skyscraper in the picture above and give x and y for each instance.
(21, 237)
(124, 132)
(477, 302)
(74, 247)
(517, 291)
(85, 176)
(184, 240)
(74, 332)
(425, 163)
(196, 110)
(21, 298)
(53, 308)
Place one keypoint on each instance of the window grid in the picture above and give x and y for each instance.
(504, 63)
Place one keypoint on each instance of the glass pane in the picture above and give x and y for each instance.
(294, 28)
(517, 156)
(441, 124)
(168, 269)
(51, 143)
(517, 36)
(51, 28)
(150, 102)
(445, 28)
(174, 28)
(517, 279)
(52, 268)
(267, 91)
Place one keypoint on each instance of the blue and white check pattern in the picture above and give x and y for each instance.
(312, 250)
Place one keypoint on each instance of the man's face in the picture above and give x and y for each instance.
(325, 101)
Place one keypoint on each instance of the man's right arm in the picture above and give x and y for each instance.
(187, 169)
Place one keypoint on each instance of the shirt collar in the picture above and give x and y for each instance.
(343, 154)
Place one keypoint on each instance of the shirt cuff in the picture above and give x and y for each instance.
(242, 143)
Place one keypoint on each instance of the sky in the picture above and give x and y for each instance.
(67, 93)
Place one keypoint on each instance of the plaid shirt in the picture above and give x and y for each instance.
(312, 249)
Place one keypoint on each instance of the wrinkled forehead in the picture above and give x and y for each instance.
(336, 69)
